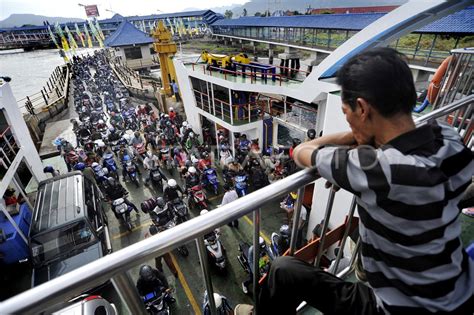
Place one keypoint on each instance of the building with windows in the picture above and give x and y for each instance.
(132, 46)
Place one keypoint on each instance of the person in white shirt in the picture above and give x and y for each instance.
(229, 196)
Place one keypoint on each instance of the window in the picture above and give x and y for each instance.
(133, 53)
(61, 241)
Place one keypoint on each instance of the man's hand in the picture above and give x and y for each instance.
(303, 152)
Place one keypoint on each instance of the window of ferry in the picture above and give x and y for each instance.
(133, 53)
(221, 93)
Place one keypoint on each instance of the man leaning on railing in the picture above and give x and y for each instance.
(408, 181)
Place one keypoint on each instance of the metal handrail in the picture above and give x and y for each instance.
(116, 264)
(73, 283)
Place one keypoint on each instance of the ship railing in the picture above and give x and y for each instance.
(116, 265)
(235, 114)
(8, 147)
(259, 75)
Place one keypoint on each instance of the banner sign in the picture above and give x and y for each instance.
(91, 10)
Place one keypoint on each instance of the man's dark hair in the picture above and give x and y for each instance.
(382, 77)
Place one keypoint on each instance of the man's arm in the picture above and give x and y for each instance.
(304, 152)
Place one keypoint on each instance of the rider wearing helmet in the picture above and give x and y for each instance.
(150, 164)
(137, 138)
(116, 120)
(192, 177)
(171, 191)
(205, 162)
(113, 135)
(151, 280)
(115, 190)
(162, 213)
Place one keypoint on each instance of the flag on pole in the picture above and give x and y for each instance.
(88, 36)
(72, 41)
(96, 34)
(81, 36)
(99, 30)
(53, 38)
(59, 31)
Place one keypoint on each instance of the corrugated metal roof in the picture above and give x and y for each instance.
(459, 22)
(127, 35)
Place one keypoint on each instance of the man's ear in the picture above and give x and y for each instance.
(363, 109)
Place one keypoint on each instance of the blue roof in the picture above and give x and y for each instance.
(459, 22)
(127, 35)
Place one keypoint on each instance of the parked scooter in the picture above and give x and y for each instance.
(215, 250)
(280, 242)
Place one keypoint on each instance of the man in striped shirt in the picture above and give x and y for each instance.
(409, 182)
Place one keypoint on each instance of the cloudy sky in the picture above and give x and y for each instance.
(70, 8)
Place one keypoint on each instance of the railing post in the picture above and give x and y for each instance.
(256, 256)
(44, 97)
(346, 233)
(322, 238)
(205, 271)
(296, 220)
(127, 292)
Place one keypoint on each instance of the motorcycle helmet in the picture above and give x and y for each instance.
(111, 181)
(205, 155)
(80, 166)
(185, 123)
(293, 195)
(48, 169)
(262, 244)
(311, 133)
(192, 170)
(168, 123)
(167, 116)
(243, 136)
(296, 142)
(137, 134)
(160, 202)
(112, 129)
(101, 122)
(146, 273)
(172, 183)
(95, 164)
(285, 230)
(194, 160)
(203, 211)
(149, 154)
(191, 135)
(171, 109)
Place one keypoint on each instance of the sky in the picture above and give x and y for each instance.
(70, 8)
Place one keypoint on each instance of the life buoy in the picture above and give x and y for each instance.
(434, 86)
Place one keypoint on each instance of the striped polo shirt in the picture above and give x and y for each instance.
(408, 191)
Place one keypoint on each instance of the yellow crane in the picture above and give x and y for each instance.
(223, 61)
(165, 48)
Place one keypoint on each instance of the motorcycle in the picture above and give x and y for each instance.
(131, 169)
(122, 210)
(180, 209)
(140, 149)
(166, 159)
(109, 163)
(101, 175)
(242, 257)
(280, 242)
(198, 198)
(215, 250)
(241, 184)
(210, 180)
(156, 302)
(156, 178)
(182, 250)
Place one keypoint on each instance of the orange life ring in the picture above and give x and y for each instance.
(434, 86)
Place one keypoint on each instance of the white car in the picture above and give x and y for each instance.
(89, 305)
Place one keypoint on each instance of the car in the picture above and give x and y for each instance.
(88, 305)
(69, 226)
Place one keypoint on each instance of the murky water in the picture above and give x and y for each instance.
(29, 71)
